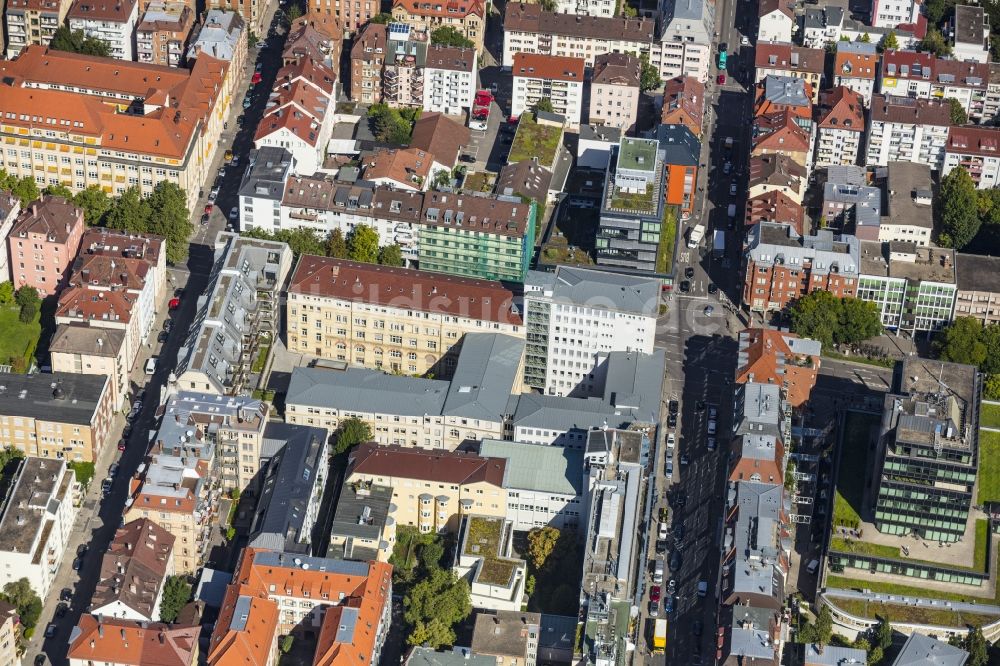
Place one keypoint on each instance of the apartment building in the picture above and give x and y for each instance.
(42, 242)
(684, 103)
(684, 44)
(134, 570)
(779, 358)
(443, 138)
(36, 521)
(96, 144)
(681, 152)
(779, 133)
(970, 34)
(407, 169)
(449, 79)
(485, 559)
(346, 605)
(840, 127)
(68, 421)
(507, 637)
(890, 13)
(362, 528)
(236, 315)
(593, 149)
(776, 207)
(368, 56)
(909, 196)
(855, 66)
(904, 129)
(575, 317)
(914, 287)
(782, 266)
(262, 188)
(161, 37)
(789, 60)
(222, 36)
(300, 114)
(32, 22)
(850, 203)
(558, 79)
(776, 173)
(922, 75)
(830, 24)
(488, 237)
(10, 630)
(116, 642)
(317, 36)
(176, 492)
(112, 21)
(413, 411)
(776, 21)
(85, 350)
(349, 16)
(431, 490)
(977, 150)
(978, 293)
(614, 91)
(338, 307)
(468, 17)
(403, 71)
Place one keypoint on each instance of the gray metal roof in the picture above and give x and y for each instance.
(678, 146)
(57, 396)
(864, 202)
(606, 133)
(220, 35)
(634, 381)
(833, 655)
(265, 179)
(787, 90)
(459, 656)
(488, 367)
(755, 568)
(360, 514)
(538, 467)
(558, 413)
(595, 289)
(364, 390)
(921, 650)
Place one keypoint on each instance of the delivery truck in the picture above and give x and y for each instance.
(659, 636)
(695, 234)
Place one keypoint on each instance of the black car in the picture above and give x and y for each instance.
(689, 272)
(712, 287)
(673, 406)
(77, 564)
(675, 561)
(168, 325)
(62, 609)
(723, 47)
(162, 336)
(685, 286)
(671, 420)
(66, 594)
(82, 549)
(679, 531)
(178, 292)
(39, 660)
(700, 405)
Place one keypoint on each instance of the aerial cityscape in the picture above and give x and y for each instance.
(498, 333)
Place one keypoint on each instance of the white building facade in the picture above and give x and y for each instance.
(113, 23)
(907, 130)
(555, 78)
(449, 79)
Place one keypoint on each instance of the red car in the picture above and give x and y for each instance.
(209, 208)
(721, 80)
(174, 303)
(654, 593)
(255, 79)
(121, 444)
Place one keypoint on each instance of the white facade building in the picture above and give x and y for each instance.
(903, 129)
(587, 7)
(777, 21)
(36, 523)
(112, 21)
(924, 76)
(576, 317)
(449, 79)
(556, 78)
(262, 188)
(977, 150)
(890, 13)
(970, 34)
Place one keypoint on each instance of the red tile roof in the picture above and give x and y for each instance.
(765, 352)
(453, 467)
(778, 132)
(134, 643)
(404, 288)
(768, 6)
(116, 11)
(855, 65)
(911, 65)
(54, 217)
(555, 68)
(777, 55)
(910, 111)
(774, 206)
(842, 108)
(248, 642)
(135, 567)
(440, 136)
(443, 8)
(684, 103)
(84, 304)
(400, 166)
(983, 141)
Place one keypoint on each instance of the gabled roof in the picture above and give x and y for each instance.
(135, 567)
(619, 69)
(446, 9)
(114, 11)
(856, 60)
(453, 58)
(133, 643)
(778, 170)
(910, 111)
(400, 165)
(85, 304)
(531, 18)
(984, 141)
(768, 6)
(778, 132)
(775, 206)
(777, 55)
(440, 136)
(684, 102)
(245, 631)
(541, 66)
(842, 108)
(54, 217)
(453, 467)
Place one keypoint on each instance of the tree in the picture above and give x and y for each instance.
(447, 35)
(890, 42)
(382, 18)
(824, 626)
(176, 593)
(541, 542)
(433, 633)
(293, 12)
(59, 191)
(286, 643)
(882, 634)
(75, 41)
(442, 179)
(95, 204)
(431, 554)
(958, 209)
(991, 387)
(19, 594)
(960, 342)
(875, 656)
(6, 293)
(391, 255)
(169, 217)
(350, 433)
(440, 596)
(26, 296)
(336, 246)
(544, 104)
(865, 38)
(83, 471)
(958, 114)
(627, 10)
(28, 313)
(649, 76)
(990, 337)
(977, 647)
(7, 454)
(25, 189)
(548, 5)
(934, 42)
(362, 244)
(129, 212)
(388, 125)
(857, 320)
(816, 316)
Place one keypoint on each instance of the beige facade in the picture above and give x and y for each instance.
(85, 350)
(978, 288)
(401, 320)
(467, 18)
(33, 22)
(9, 626)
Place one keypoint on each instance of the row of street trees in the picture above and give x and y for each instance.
(360, 244)
(832, 320)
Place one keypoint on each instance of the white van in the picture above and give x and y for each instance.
(150, 365)
(658, 572)
(662, 533)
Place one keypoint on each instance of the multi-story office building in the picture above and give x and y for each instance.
(36, 521)
(929, 451)
(904, 129)
(237, 315)
(449, 79)
(970, 34)
(614, 91)
(782, 59)
(975, 149)
(347, 604)
(396, 319)
(978, 293)
(161, 37)
(88, 142)
(632, 207)
(32, 22)
(908, 195)
(70, 421)
(575, 317)
(840, 127)
(134, 571)
(42, 243)
(558, 79)
(782, 266)
(111, 21)
(914, 287)
(855, 67)
(924, 76)
(489, 237)
(468, 17)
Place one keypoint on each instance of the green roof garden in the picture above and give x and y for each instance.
(534, 139)
(483, 539)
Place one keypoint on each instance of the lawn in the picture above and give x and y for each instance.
(483, 540)
(863, 548)
(892, 552)
(989, 466)
(900, 613)
(534, 140)
(639, 201)
(479, 181)
(668, 237)
(258, 363)
(989, 415)
(850, 491)
(17, 339)
(557, 251)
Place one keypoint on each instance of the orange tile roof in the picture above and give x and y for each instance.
(842, 108)
(307, 69)
(135, 643)
(250, 641)
(400, 165)
(84, 304)
(768, 359)
(775, 206)
(440, 9)
(778, 132)
(684, 103)
(855, 65)
(540, 66)
(91, 270)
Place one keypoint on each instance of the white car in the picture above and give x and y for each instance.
(711, 443)
(712, 412)
(671, 440)
(150, 365)
(670, 470)
(732, 189)
(744, 41)
(711, 426)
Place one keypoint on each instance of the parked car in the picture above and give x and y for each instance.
(121, 444)
(712, 412)
(654, 593)
(710, 443)
(229, 156)
(113, 471)
(50, 630)
(162, 337)
(673, 407)
(204, 218)
(671, 440)
(61, 609)
(668, 605)
(214, 193)
(168, 325)
(689, 272)
(721, 79)
(234, 214)
(675, 561)
(255, 79)
(174, 303)
(150, 366)
(77, 565)
(711, 426)
(66, 594)
(732, 189)
(671, 420)
(685, 286)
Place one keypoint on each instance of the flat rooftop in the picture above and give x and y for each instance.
(907, 261)
(638, 154)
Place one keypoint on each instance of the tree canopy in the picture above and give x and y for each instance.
(934, 42)
(381, 18)
(176, 594)
(890, 41)
(390, 125)
(75, 41)
(649, 76)
(350, 433)
(336, 246)
(541, 542)
(391, 255)
(362, 244)
(25, 189)
(958, 114)
(831, 320)
(958, 209)
(544, 104)
(961, 342)
(434, 606)
(20, 594)
(448, 35)
(163, 212)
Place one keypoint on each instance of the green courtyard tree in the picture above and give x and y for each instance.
(541, 542)
(350, 433)
(958, 209)
(433, 633)
(961, 342)
(362, 244)
(890, 41)
(176, 594)
(857, 321)
(95, 203)
(20, 594)
(169, 217)
(75, 41)
(388, 124)
(649, 76)
(957, 111)
(447, 35)
(382, 18)
(441, 597)
(391, 255)
(816, 316)
(6, 293)
(977, 647)
(130, 212)
(336, 246)
(59, 191)
(544, 104)
(934, 42)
